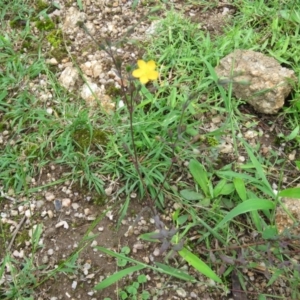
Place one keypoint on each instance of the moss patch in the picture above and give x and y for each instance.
(84, 138)
(55, 38)
(45, 25)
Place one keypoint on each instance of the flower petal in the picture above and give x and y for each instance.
(142, 64)
(152, 75)
(144, 79)
(151, 65)
(137, 73)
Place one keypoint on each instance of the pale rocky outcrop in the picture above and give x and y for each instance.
(256, 78)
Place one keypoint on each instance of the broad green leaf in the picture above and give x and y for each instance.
(218, 188)
(269, 233)
(175, 272)
(117, 276)
(199, 265)
(182, 219)
(227, 189)
(240, 188)
(291, 193)
(247, 206)
(200, 175)
(190, 195)
(79, 3)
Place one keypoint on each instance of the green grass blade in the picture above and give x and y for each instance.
(123, 211)
(117, 276)
(258, 167)
(199, 265)
(247, 206)
(175, 272)
(180, 275)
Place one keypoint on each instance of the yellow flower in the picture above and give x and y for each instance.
(146, 71)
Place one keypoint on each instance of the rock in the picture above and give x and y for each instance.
(256, 78)
(93, 95)
(73, 16)
(88, 91)
(92, 68)
(66, 202)
(181, 293)
(68, 77)
(52, 61)
(49, 196)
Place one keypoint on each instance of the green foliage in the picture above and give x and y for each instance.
(55, 38)
(45, 25)
(122, 262)
(41, 5)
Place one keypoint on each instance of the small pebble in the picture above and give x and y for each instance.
(108, 191)
(94, 244)
(156, 252)
(181, 293)
(66, 202)
(241, 159)
(62, 223)
(75, 206)
(87, 211)
(49, 110)
(50, 214)
(14, 213)
(50, 252)
(49, 196)
(28, 213)
(45, 259)
(74, 285)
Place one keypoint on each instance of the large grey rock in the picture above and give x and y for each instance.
(256, 78)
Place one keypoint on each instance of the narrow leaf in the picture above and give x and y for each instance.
(175, 272)
(199, 265)
(293, 134)
(258, 167)
(180, 275)
(117, 276)
(247, 206)
(291, 193)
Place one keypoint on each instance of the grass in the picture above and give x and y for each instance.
(222, 200)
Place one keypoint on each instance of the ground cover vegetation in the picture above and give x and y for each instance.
(160, 146)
